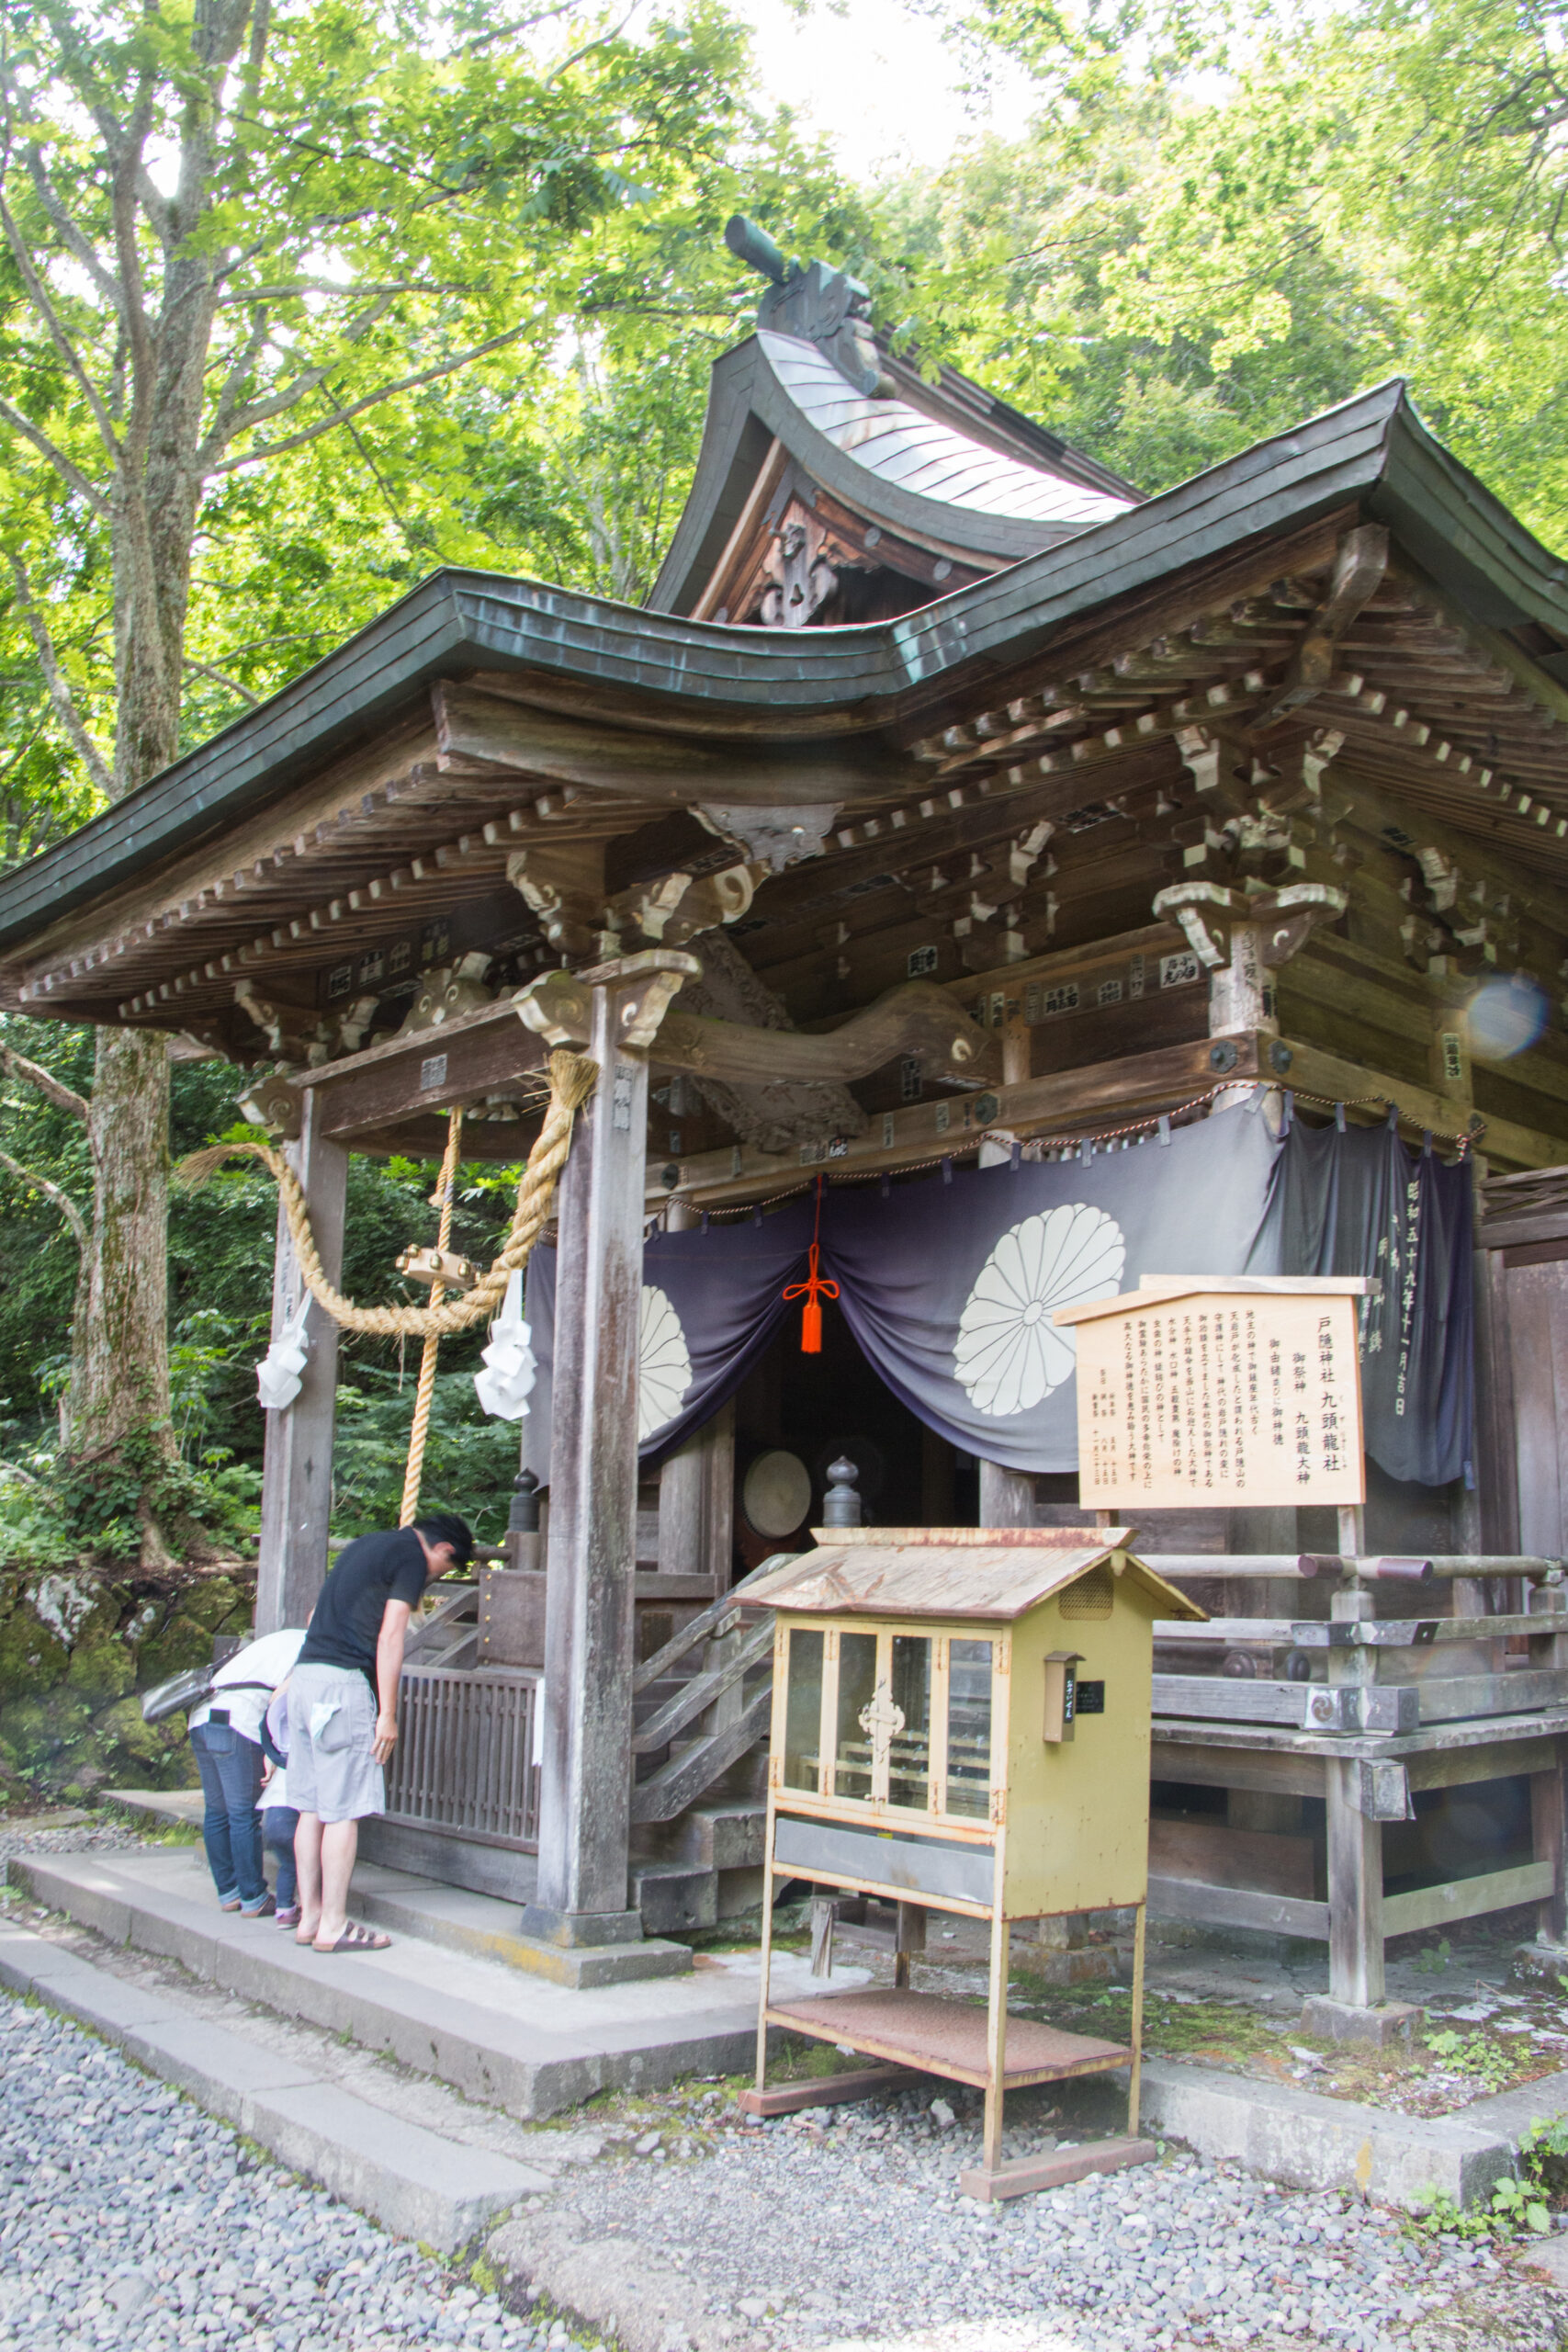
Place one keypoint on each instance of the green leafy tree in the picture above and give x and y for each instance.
(1170, 266)
(230, 230)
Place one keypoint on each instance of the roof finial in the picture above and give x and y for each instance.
(816, 304)
(756, 249)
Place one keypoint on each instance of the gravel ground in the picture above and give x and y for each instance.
(76, 1833)
(129, 2218)
(848, 2223)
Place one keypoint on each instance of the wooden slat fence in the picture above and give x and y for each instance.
(465, 1760)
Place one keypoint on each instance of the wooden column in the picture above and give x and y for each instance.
(1548, 1807)
(1007, 1497)
(1355, 1846)
(585, 1782)
(697, 1504)
(297, 1468)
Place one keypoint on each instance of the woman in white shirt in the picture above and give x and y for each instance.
(225, 1733)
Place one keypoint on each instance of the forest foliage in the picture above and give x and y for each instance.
(1218, 222)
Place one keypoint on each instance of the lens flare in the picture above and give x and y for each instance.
(1506, 1015)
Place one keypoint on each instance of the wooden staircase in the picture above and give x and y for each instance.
(701, 1706)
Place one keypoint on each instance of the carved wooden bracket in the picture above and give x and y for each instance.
(1359, 561)
(558, 1006)
(916, 1017)
(1239, 936)
(773, 837)
(562, 885)
(677, 905)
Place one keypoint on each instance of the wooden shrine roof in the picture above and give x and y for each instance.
(392, 783)
(945, 465)
(876, 1574)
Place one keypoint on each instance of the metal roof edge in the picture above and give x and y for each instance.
(1001, 538)
(1487, 560)
(724, 426)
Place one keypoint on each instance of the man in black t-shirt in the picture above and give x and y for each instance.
(342, 1711)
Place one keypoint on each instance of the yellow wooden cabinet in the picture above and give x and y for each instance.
(961, 1724)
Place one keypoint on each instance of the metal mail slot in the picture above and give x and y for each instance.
(934, 1866)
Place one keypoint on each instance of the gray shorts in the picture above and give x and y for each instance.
(332, 1732)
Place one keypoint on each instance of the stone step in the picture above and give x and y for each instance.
(419, 2183)
(675, 1898)
(721, 1836)
(443, 1999)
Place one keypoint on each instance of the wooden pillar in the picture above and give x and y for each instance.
(1007, 1497)
(1546, 1825)
(697, 1504)
(1355, 1893)
(297, 1468)
(585, 1780)
(1355, 1844)
(1548, 1805)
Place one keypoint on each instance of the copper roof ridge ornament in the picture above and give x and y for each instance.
(815, 303)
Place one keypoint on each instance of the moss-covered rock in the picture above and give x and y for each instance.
(119, 1740)
(182, 1643)
(38, 1729)
(74, 1647)
(32, 1658)
(213, 1601)
(101, 1670)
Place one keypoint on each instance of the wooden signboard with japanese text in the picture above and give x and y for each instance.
(1220, 1393)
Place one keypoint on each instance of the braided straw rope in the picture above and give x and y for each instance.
(419, 1428)
(572, 1080)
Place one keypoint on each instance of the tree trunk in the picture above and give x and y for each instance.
(120, 1388)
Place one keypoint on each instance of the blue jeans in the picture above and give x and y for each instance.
(231, 1768)
(278, 1824)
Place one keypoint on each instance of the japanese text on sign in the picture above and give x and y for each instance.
(1217, 1399)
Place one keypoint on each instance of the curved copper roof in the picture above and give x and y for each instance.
(918, 453)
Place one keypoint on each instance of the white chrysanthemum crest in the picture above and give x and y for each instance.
(1010, 1354)
(663, 1363)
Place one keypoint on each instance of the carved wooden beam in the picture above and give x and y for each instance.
(918, 1018)
(669, 770)
(1360, 562)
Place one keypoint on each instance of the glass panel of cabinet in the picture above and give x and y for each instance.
(898, 1720)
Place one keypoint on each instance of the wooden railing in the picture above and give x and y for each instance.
(465, 1761)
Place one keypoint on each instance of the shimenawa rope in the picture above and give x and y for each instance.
(572, 1081)
(418, 1429)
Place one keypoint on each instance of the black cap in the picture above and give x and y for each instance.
(445, 1527)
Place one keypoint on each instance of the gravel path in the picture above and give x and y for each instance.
(853, 2227)
(129, 2218)
(78, 1834)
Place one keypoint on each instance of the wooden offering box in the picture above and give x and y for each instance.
(961, 1724)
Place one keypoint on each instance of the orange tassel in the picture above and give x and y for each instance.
(813, 1290)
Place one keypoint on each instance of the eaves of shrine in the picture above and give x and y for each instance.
(481, 703)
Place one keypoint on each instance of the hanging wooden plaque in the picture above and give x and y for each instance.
(1216, 1392)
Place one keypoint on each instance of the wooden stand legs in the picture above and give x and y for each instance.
(767, 1958)
(1136, 2035)
(996, 2047)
